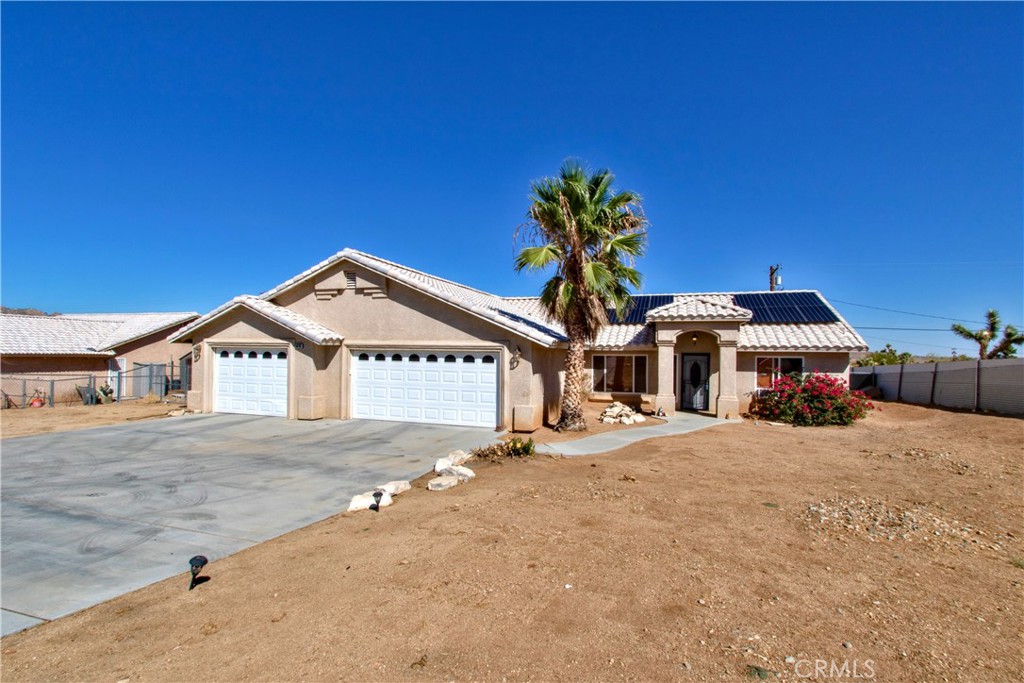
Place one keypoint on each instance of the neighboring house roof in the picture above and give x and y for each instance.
(526, 316)
(287, 318)
(80, 334)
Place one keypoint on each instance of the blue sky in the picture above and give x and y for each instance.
(172, 156)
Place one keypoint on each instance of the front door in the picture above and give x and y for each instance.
(694, 380)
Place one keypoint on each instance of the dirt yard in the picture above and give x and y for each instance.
(27, 421)
(887, 551)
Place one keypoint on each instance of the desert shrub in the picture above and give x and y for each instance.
(811, 401)
(513, 448)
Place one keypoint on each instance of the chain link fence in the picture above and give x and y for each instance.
(156, 380)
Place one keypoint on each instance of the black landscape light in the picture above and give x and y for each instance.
(196, 565)
(377, 495)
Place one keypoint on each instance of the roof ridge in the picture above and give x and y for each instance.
(424, 273)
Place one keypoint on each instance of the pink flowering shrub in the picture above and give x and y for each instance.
(811, 401)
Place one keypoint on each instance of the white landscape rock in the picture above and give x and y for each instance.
(364, 500)
(442, 483)
(395, 487)
(441, 464)
(463, 473)
(626, 420)
(639, 418)
(459, 457)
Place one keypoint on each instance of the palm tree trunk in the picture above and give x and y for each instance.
(575, 391)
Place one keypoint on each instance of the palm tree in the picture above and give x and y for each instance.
(591, 235)
(1004, 348)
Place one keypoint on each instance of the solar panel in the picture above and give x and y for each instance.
(642, 303)
(786, 307)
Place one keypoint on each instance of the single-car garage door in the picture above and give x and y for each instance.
(251, 381)
(435, 387)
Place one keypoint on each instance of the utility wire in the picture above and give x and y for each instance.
(923, 315)
(906, 329)
(901, 341)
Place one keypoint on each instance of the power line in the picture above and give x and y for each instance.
(901, 341)
(923, 315)
(906, 329)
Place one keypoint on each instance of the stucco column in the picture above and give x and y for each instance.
(728, 403)
(666, 397)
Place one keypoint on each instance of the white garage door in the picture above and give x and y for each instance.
(435, 387)
(251, 381)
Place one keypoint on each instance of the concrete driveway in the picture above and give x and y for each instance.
(93, 514)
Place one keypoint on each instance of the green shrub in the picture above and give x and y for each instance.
(811, 401)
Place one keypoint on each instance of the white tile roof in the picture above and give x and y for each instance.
(287, 318)
(526, 315)
(697, 307)
(480, 304)
(836, 336)
(80, 334)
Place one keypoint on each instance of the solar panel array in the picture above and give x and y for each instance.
(786, 307)
(642, 303)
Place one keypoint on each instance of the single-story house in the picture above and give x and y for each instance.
(357, 336)
(79, 345)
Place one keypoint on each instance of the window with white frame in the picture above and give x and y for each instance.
(771, 368)
(625, 374)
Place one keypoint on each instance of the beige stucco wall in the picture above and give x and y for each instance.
(384, 315)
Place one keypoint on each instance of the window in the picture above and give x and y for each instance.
(431, 358)
(414, 358)
(364, 356)
(224, 354)
(770, 369)
(282, 355)
(380, 356)
(238, 354)
(253, 354)
(396, 357)
(267, 355)
(626, 374)
(468, 359)
(488, 359)
(449, 359)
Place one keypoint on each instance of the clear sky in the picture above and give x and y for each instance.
(172, 156)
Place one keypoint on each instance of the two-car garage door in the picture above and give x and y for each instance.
(435, 387)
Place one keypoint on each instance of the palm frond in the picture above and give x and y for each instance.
(537, 258)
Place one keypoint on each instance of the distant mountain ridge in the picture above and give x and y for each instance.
(24, 311)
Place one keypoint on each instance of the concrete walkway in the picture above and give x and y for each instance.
(92, 514)
(681, 423)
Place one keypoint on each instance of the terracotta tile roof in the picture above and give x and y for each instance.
(287, 318)
(81, 334)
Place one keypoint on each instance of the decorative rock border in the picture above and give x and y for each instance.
(450, 470)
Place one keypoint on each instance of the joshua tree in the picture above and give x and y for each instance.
(591, 235)
(1006, 346)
